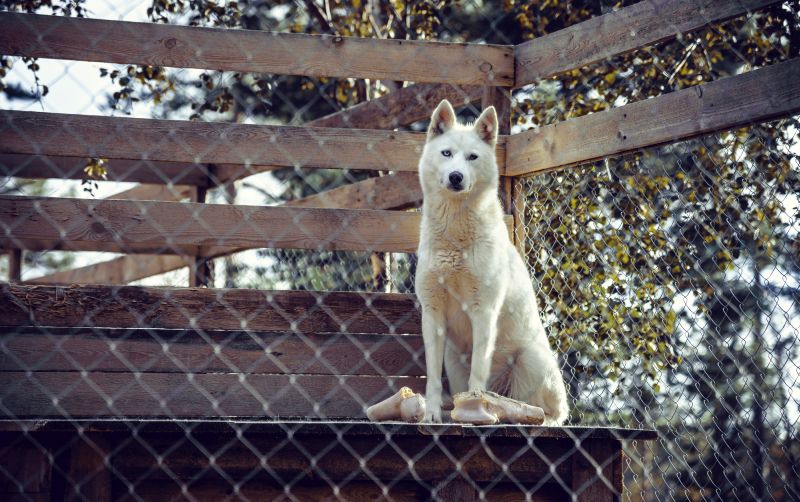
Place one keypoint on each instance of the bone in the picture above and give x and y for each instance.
(488, 408)
(403, 405)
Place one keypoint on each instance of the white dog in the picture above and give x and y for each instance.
(479, 311)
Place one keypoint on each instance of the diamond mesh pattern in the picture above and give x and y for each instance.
(667, 278)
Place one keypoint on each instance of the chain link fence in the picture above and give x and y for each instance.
(667, 278)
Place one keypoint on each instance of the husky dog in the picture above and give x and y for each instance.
(479, 311)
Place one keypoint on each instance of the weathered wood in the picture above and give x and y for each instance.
(201, 268)
(60, 167)
(122, 270)
(756, 96)
(644, 23)
(214, 490)
(89, 477)
(198, 229)
(25, 471)
(208, 309)
(193, 395)
(190, 351)
(394, 191)
(207, 143)
(593, 468)
(15, 265)
(152, 44)
(481, 460)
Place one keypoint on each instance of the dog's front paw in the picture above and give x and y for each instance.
(433, 414)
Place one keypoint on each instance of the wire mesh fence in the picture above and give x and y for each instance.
(667, 278)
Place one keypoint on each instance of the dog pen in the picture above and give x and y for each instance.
(205, 297)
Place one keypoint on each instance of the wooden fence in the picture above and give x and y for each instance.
(167, 220)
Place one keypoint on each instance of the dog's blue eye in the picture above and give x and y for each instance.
(472, 156)
(447, 153)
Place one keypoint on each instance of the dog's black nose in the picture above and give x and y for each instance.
(456, 178)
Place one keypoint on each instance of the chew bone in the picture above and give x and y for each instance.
(404, 405)
(488, 408)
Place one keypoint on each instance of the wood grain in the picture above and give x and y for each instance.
(385, 457)
(198, 229)
(756, 96)
(208, 309)
(120, 270)
(253, 51)
(60, 167)
(593, 471)
(191, 351)
(194, 395)
(186, 141)
(394, 191)
(644, 23)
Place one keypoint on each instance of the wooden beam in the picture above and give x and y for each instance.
(208, 309)
(399, 108)
(201, 268)
(197, 229)
(191, 351)
(15, 258)
(645, 23)
(122, 270)
(164, 395)
(152, 44)
(89, 476)
(35, 133)
(756, 96)
(56, 166)
(393, 191)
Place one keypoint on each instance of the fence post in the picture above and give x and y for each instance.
(200, 271)
(511, 193)
(15, 265)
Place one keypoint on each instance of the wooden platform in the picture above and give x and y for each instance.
(156, 460)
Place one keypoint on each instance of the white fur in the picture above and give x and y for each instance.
(479, 312)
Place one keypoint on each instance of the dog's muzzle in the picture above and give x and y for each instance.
(455, 181)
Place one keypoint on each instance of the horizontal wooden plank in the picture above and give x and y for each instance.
(394, 191)
(190, 351)
(384, 457)
(121, 270)
(193, 395)
(35, 133)
(208, 309)
(254, 51)
(327, 428)
(756, 96)
(645, 23)
(197, 229)
(143, 171)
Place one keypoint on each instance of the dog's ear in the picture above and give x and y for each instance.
(486, 126)
(443, 118)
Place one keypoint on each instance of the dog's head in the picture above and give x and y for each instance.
(459, 159)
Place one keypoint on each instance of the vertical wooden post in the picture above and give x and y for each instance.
(89, 476)
(511, 193)
(589, 485)
(200, 271)
(15, 265)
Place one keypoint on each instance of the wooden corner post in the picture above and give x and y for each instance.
(511, 192)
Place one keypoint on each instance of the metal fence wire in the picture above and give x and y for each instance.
(666, 272)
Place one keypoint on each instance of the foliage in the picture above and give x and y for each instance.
(656, 271)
